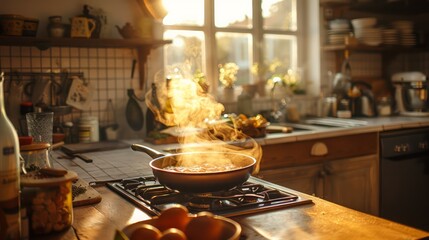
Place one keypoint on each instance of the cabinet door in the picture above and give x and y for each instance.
(303, 178)
(353, 183)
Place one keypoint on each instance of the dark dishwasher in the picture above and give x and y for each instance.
(404, 177)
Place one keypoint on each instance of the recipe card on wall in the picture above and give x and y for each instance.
(79, 95)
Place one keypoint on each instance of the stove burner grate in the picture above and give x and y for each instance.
(249, 197)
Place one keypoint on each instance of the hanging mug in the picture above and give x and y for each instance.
(82, 27)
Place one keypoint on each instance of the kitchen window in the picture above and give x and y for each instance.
(210, 33)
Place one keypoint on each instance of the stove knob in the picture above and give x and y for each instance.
(397, 148)
(405, 148)
(423, 145)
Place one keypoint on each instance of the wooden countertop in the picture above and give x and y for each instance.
(377, 124)
(320, 220)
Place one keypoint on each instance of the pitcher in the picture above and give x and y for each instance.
(82, 27)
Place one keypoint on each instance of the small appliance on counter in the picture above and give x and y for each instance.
(411, 93)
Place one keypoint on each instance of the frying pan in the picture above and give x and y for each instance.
(202, 181)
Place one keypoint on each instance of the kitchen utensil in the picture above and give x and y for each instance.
(36, 89)
(134, 113)
(198, 182)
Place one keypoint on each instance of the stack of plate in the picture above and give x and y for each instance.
(406, 35)
(339, 29)
(390, 36)
(366, 32)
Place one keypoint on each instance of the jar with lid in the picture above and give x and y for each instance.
(48, 200)
(36, 156)
(384, 106)
(88, 129)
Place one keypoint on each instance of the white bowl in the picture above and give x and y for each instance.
(339, 24)
(364, 22)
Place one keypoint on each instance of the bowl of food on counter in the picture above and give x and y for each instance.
(254, 127)
(177, 223)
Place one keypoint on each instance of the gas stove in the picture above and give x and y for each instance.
(253, 196)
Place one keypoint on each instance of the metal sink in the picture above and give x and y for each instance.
(314, 124)
(335, 122)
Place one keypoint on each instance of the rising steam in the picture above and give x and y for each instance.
(183, 103)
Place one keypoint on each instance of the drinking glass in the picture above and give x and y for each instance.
(40, 126)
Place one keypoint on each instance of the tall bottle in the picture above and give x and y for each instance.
(10, 219)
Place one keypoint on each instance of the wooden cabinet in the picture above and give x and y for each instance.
(347, 174)
(352, 183)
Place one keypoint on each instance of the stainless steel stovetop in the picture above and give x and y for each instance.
(253, 196)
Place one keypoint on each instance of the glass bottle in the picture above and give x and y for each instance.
(10, 219)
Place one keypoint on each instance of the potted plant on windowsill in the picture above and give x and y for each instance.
(228, 77)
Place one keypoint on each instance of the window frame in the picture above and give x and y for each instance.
(257, 32)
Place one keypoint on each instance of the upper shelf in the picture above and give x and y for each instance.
(365, 48)
(45, 43)
(402, 7)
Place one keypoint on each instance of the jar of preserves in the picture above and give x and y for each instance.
(47, 197)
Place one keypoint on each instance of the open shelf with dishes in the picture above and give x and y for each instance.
(47, 42)
(142, 46)
(375, 49)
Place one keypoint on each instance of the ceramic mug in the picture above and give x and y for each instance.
(82, 27)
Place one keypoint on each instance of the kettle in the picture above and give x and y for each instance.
(364, 105)
(128, 31)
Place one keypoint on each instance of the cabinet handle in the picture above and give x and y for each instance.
(328, 170)
(323, 173)
(319, 149)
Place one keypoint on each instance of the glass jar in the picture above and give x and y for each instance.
(48, 201)
(88, 129)
(384, 106)
(36, 156)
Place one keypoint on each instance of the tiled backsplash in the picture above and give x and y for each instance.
(107, 70)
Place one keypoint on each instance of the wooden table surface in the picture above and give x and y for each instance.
(318, 220)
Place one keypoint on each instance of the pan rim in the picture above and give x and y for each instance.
(202, 173)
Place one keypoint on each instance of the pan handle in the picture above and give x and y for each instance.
(149, 151)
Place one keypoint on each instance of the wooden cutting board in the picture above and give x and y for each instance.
(88, 196)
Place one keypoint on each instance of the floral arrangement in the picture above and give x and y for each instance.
(275, 73)
(228, 74)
